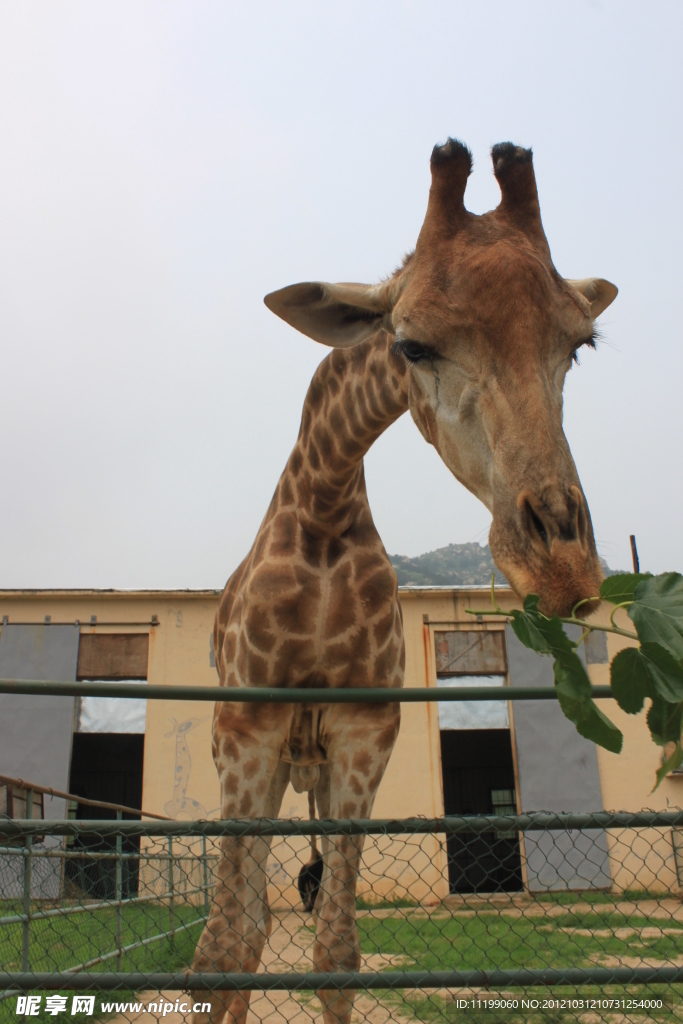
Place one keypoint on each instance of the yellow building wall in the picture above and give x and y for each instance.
(180, 780)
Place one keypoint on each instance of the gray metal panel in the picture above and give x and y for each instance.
(558, 771)
(35, 732)
(596, 648)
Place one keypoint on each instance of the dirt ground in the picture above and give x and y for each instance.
(289, 948)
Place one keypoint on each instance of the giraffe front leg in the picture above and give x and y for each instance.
(257, 928)
(253, 783)
(361, 741)
(220, 944)
(336, 946)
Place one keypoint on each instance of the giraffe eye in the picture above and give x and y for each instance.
(413, 351)
(590, 342)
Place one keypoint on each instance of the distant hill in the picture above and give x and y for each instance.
(456, 565)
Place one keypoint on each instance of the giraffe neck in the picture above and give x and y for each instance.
(354, 396)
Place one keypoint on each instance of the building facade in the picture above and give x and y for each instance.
(456, 758)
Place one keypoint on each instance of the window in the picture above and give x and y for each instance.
(112, 657)
(13, 805)
(471, 658)
(476, 761)
(503, 803)
(478, 778)
(107, 758)
(466, 652)
(105, 767)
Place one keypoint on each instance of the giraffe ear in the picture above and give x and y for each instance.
(599, 293)
(338, 315)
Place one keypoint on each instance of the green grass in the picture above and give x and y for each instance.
(491, 940)
(565, 898)
(494, 941)
(441, 940)
(58, 943)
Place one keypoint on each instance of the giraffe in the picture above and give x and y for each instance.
(474, 333)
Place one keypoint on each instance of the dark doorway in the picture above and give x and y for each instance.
(479, 778)
(105, 766)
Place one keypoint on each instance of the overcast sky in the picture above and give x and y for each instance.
(164, 165)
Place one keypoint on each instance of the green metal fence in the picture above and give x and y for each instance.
(289, 695)
(455, 916)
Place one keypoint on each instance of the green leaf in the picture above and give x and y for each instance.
(574, 696)
(596, 726)
(648, 672)
(665, 673)
(657, 612)
(665, 721)
(630, 679)
(571, 678)
(670, 765)
(621, 587)
(541, 634)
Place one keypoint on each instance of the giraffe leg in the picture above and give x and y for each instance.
(239, 921)
(257, 917)
(360, 745)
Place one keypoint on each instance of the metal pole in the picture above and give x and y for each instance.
(634, 554)
(28, 868)
(187, 981)
(531, 822)
(119, 896)
(171, 907)
(284, 695)
(206, 876)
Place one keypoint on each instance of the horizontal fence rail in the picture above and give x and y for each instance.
(542, 821)
(293, 980)
(293, 695)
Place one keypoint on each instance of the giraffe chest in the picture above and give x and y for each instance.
(330, 621)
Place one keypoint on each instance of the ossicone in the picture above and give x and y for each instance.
(451, 166)
(513, 167)
(453, 156)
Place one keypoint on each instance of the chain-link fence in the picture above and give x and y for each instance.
(519, 917)
(512, 915)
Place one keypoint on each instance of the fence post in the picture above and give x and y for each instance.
(119, 895)
(28, 870)
(206, 877)
(171, 906)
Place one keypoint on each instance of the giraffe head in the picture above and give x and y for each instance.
(489, 331)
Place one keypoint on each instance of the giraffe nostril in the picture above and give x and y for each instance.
(582, 528)
(539, 527)
(535, 523)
